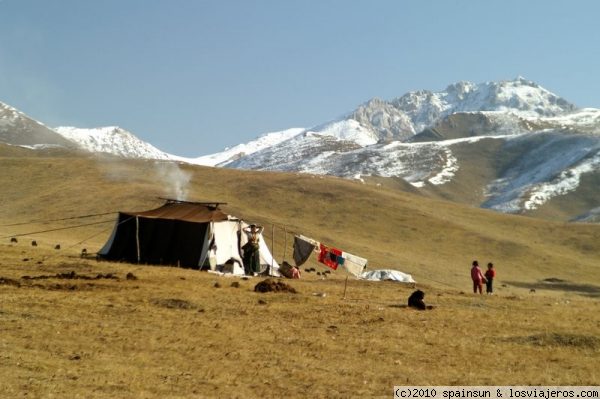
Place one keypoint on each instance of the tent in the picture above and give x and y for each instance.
(186, 234)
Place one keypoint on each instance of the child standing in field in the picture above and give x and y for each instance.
(490, 274)
(477, 277)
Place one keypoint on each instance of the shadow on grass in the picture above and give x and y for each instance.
(554, 284)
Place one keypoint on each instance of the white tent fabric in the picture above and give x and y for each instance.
(228, 239)
(387, 275)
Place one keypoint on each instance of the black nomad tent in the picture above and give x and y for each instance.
(179, 233)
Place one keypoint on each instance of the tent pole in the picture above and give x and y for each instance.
(345, 286)
(284, 242)
(272, 246)
(137, 238)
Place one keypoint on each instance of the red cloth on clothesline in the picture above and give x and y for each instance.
(330, 257)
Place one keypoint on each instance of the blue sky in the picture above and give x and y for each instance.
(192, 77)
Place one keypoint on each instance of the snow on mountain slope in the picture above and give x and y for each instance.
(551, 164)
(241, 150)
(555, 142)
(585, 120)
(546, 144)
(112, 140)
(16, 128)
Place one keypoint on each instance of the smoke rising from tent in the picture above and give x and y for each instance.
(175, 179)
(166, 174)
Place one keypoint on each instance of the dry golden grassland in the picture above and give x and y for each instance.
(172, 333)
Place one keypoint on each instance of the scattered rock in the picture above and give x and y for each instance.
(34, 243)
(320, 294)
(75, 357)
(84, 253)
(217, 285)
(131, 276)
(57, 246)
(235, 284)
(14, 239)
(25, 259)
(262, 302)
(270, 285)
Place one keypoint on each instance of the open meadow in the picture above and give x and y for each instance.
(76, 327)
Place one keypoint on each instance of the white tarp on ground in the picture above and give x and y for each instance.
(387, 275)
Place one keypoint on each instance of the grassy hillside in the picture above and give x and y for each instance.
(433, 240)
(172, 333)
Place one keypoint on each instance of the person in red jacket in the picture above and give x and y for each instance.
(477, 277)
(490, 274)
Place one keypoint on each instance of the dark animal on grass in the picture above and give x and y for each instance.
(84, 253)
(57, 246)
(13, 239)
(34, 243)
(417, 300)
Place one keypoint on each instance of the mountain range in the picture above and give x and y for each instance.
(511, 146)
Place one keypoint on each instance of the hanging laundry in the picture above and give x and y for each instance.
(354, 264)
(330, 257)
(303, 247)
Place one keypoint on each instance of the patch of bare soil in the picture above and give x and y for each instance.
(558, 339)
(270, 285)
(174, 303)
(31, 281)
(555, 284)
(72, 276)
(9, 281)
(66, 287)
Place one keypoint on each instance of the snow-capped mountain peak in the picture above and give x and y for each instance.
(539, 144)
(532, 144)
(111, 140)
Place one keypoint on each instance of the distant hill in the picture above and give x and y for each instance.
(16, 128)
(510, 146)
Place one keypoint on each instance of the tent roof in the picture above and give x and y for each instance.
(185, 211)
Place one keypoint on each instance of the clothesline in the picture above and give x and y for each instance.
(329, 256)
